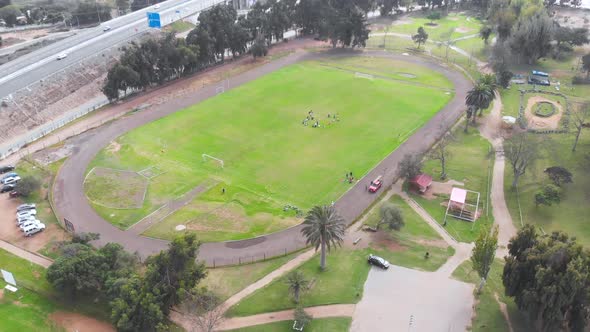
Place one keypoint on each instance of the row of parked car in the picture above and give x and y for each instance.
(8, 181)
(26, 219)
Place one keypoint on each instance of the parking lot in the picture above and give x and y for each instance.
(401, 299)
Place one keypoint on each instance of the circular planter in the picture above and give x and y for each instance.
(544, 109)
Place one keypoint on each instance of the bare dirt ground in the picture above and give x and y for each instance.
(24, 35)
(537, 122)
(441, 188)
(574, 18)
(73, 322)
(11, 233)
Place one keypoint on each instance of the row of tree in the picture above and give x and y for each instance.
(221, 31)
(87, 12)
(140, 295)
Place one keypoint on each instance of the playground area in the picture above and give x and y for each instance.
(260, 152)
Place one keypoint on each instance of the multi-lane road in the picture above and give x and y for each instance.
(35, 66)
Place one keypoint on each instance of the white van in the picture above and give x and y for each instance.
(34, 229)
(22, 220)
(26, 213)
(29, 223)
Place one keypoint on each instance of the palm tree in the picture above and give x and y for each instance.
(489, 80)
(323, 227)
(478, 98)
(297, 283)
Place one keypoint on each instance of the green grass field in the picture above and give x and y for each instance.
(452, 26)
(271, 159)
(337, 324)
(470, 163)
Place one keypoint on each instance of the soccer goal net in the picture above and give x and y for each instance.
(207, 157)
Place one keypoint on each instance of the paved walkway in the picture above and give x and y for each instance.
(31, 257)
(71, 203)
(324, 311)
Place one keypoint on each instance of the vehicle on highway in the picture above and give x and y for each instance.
(26, 206)
(7, 188)
(157, 6)
(11, 180)
(34, 229)
(106, 28)
(26, 213)
(62, 56)
(29, 223)
(378, 261)
(7, 168)
(376, 184)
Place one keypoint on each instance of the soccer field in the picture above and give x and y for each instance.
(271, 159)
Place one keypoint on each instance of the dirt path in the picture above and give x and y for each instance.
(504, 311)
(491, 130)
(334, 310)
(31, 257)
(73, 322)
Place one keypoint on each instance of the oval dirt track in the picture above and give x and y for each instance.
(71, 202)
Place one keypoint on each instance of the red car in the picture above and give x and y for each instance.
(376, 184)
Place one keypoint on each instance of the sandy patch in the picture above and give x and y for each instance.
(383, 240)
(113, 147)
(462, 30)
(79, 323)
(537, 122)
(441, 188)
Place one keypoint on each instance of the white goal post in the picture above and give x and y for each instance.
(205, 156)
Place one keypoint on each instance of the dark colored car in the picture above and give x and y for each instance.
(7, 168)
(376, 184)
(378, 261)
(14, 194)
(6, 188)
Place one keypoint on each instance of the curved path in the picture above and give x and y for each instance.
(71, 202)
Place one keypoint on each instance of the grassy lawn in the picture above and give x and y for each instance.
(227, 281)
(328, 287)
(511, 99)
(571, 214)
(28, 308)
(470, 163)
(179, 26)
(316, 325)
(271, 159)
(488, 316)
(452, 26)
(415, 239)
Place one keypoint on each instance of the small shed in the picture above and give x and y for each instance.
(508, 121)
(421, 182)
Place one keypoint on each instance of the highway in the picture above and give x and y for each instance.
(35, 66)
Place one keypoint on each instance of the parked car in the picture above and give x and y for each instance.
(106, 28)
(62, 56)
(11, 180)
(7, 168)
(31, 212)
(157, 7)
(6, 188)
(376, 184)
(9, 175)
(21, 221)
(29, 223)
(14, 194)
(378, 261)
(26, 206)
(32, 230)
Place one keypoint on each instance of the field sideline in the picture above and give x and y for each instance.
(271, 159)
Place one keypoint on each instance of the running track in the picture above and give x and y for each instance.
(70, 201)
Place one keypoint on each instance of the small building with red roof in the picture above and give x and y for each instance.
(421, 182)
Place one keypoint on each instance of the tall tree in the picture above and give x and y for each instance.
(410, 166)
(204, 310)
(485, 32)
(441, 152)
(586, 64)
(521, 152)
(391, 215)
(483, 254)
(323, 228)
(579, 118)
(175, 271)
(478, 98)
(531, 36)
(421, 37)
(297, 284)
(549, 278)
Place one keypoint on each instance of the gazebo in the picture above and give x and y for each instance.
(421, 182)
(459, 206)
